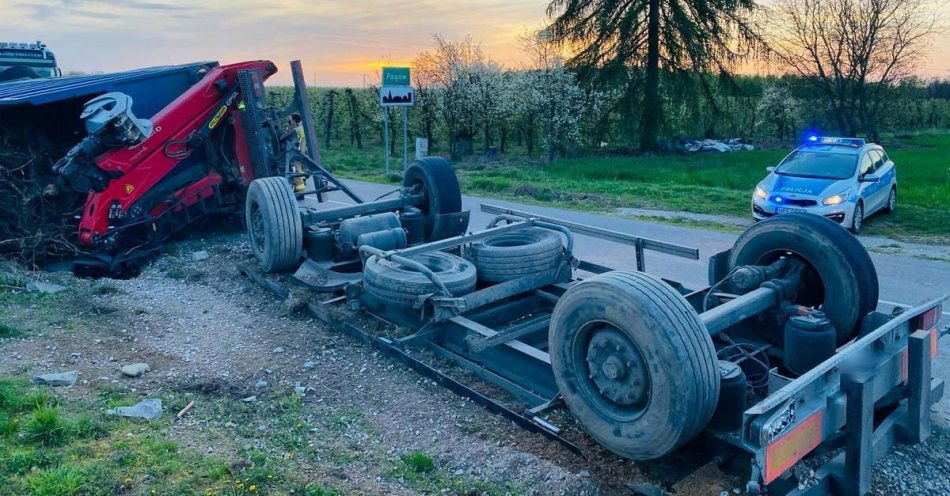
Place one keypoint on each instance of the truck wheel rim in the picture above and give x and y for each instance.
(614, 377)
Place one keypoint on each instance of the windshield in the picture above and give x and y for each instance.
(818, 164)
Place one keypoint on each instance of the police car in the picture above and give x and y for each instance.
(843, 179)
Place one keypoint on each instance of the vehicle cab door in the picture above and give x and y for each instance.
(867, 187)
(886, 170)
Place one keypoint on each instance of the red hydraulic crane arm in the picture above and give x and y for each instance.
(139, 168)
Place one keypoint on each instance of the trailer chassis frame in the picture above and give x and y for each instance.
(832, 404)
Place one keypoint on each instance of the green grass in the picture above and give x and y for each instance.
(703, 183)
(46, 427)
(420, 471)
(52, 447)
(418, 462)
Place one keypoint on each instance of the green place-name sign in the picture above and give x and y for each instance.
(395, 76)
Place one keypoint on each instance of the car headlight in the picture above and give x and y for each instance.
(761, 192)
(835, 199)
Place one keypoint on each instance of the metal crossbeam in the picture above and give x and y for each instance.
(511, 332)
(514, 344)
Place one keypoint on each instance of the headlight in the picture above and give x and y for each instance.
(835, 199)
(761, 192)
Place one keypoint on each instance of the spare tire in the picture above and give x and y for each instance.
(840, 277)
(634, 363)
(434, 177)
(393, 284)
(273, 224)
(512, 255)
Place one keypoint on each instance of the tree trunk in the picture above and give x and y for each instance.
(428, 126)
(529, 140)
(355, 133)
(487, 137)
(392, 133)
(329, 124)
(502, 138)
(652, 116)
(462, 146)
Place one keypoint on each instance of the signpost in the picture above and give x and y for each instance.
(395, 91)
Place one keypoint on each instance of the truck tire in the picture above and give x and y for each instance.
(511, 255)
(392, 284)
(273, 221)
(634, 363)
(841, 280)
(435, 178)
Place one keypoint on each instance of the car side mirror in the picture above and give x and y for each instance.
(770, 168)
(870, 178)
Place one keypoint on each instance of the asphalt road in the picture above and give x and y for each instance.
(904, 280)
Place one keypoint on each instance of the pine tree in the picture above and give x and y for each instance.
(671, 36)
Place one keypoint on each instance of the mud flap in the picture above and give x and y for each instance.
(719, 266)
(450, 225)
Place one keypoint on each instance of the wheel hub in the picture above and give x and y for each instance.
(617, 368)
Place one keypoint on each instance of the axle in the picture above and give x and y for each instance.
(770, 293)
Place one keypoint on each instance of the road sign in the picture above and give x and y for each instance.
(395, 76)
(396, 92)
(396, 96)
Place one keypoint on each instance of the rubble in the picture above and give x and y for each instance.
(57, 379)
(44, 287)
(150, 409)
(135, 369)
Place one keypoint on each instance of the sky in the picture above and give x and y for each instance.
(340, 42)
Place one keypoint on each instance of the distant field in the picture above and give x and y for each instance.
(704, 183)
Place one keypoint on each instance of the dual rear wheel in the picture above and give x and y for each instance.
(637, 367)
(274, 225)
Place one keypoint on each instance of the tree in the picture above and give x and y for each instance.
(676, 36)
(853, 51)
(778, 110)
(550, 93)
(469, 83)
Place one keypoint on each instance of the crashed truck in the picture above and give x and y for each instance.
(208, 135)
(781, 357)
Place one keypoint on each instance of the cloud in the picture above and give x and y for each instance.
(341, 40)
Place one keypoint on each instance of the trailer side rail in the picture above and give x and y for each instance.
(640, 244)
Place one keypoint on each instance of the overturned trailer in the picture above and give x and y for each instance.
(782, 355)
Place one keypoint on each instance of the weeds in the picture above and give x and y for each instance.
(8, 331)
(418, 462)
(46, 427)
(318, 490)
(61, 481)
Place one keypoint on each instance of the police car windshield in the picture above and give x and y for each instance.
(818, 164)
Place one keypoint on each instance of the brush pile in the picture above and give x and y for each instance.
(35, 216)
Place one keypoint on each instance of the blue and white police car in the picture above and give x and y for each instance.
(843, 179)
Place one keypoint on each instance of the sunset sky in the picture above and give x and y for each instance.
(338, 41)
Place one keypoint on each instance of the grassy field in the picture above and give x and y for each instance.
(706, 183)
